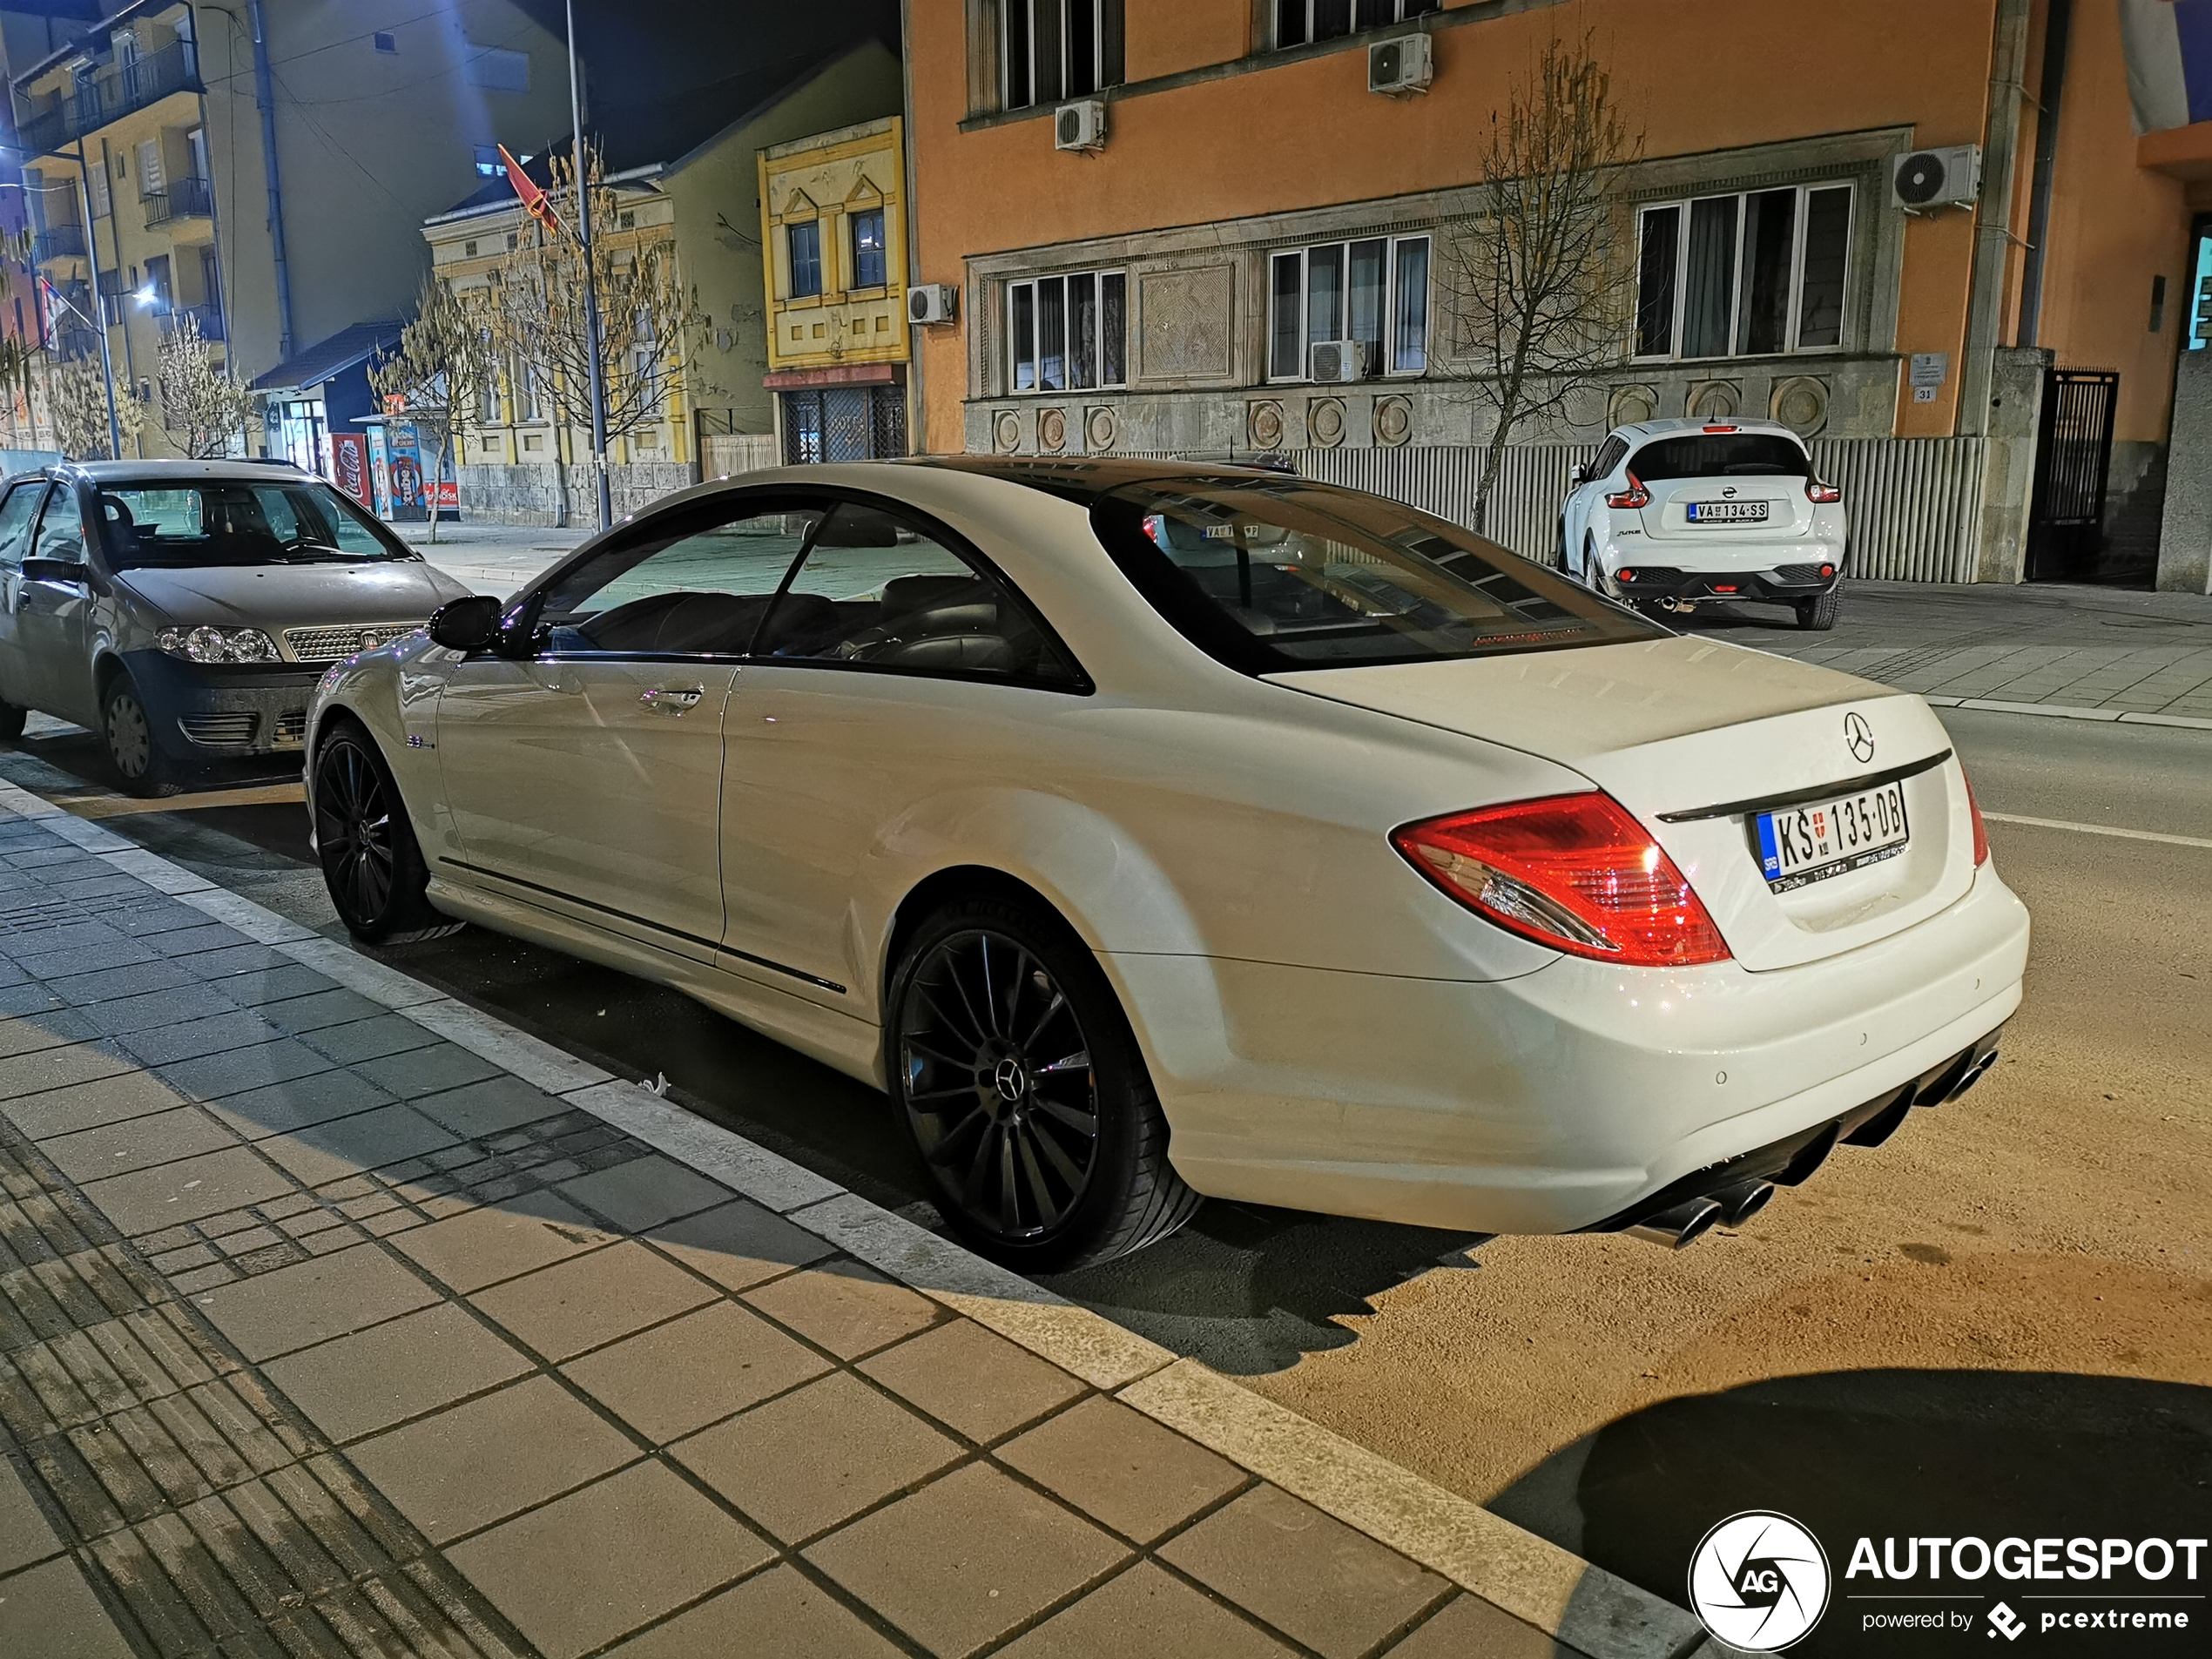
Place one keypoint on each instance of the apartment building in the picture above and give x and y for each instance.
(1919, 231)
(263, 169)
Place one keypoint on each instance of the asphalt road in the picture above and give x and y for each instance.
(2002, 1319)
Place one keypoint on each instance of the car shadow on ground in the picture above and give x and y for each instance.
(1893, 1453)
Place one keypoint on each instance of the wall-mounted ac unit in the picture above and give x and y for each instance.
(1399, 65)
(1334, 362)
(1926, 179)
(933, 302)
(1080, 126)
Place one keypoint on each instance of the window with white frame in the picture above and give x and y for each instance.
(1068, 333)
(1753, 274)
(1051, 50)
(1373, 291)
(1298, 22)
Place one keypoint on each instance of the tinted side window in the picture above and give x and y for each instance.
(874, 591)
(1608, 457)
(18, 514)
(61, 529)
(692, 587)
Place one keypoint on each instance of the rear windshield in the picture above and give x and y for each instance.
(1720, 455)
(169, 522)
(1269, 575)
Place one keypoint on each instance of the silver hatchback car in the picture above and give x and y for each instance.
(184, 609)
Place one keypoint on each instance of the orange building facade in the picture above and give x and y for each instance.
(1170, 288)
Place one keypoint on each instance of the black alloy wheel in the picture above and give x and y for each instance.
(1018, 1079)
(370, 864)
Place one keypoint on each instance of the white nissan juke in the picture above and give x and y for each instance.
(1671, 512)
(1149, 831)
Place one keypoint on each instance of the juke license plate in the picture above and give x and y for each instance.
(1831, 837)
(1727, 512)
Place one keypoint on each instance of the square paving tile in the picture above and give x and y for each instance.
(1147, 1611)
(739, 1245)
(293, 1307)
(645, 1192)
(51, 1612)
(82, 1106)
(24, 1536)
(563, 1310)
(427, 1071)
(370, 1039)
(502, 1241)
(173, 1193)
(118, 1149)
(618, 1555)
(978, 1383)
(679, 1377)
(191, 1038)
(966, 1559)
(367, 1140)
(491, 1107)
(211, 1076)
(485, 1459)
(278, 1108)
(846, 1308)
(781, 1605)
(1136, 1476)
(810, 1460)
(394, 1370)
(1470, 1625)
(333, 1007)
(1308, 1574)
(32, 1074)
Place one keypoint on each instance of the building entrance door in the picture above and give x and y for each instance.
(2072, 461)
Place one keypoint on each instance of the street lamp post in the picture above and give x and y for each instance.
(590, 289)
(100, 300)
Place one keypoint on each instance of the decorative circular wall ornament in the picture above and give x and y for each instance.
(1630, 404)
(1102, 428)
(1006, 432)
(1393, 419)
(1263, 423)
(1052, 430)
(1801, 404)
(1714, 401)
(1324, 422)
(1584, 407)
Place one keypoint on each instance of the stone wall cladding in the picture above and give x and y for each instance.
(530, 495)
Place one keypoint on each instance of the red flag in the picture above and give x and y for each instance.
(534, 200)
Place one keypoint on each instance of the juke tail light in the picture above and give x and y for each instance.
(1635, 495)
(1981, 830)
(1576, 873)
(1824, 494)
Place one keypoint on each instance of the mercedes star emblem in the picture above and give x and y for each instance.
(1859, 736)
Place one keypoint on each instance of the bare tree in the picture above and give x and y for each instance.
(202, 407)
(80, 408)
(437, 374)
(1533, 291)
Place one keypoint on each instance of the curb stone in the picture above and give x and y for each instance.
(1580, 1604)
(2068, 711)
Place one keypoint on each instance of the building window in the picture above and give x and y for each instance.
(1068, 333)
(1752, 274)
(1298, 22)
(804, 244)
(385, 43)
(488, 166)
(497, 70)
(869, 266)
(1373, 292)
(1050, 51)
(845, 423)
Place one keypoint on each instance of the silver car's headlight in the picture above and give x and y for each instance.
(218, 645)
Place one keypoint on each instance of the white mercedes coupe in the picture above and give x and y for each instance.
(1153, 830)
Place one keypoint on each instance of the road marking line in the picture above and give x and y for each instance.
(125, 806)
(2100, 829)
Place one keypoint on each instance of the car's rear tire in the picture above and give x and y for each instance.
(142, 766)
(11, 720)
(1819, 614)
(1014, 1069)
(371, 864)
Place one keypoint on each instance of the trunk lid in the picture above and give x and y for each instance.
(1677, 727)
(1788, 510)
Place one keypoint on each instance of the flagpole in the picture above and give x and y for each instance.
(590, 289)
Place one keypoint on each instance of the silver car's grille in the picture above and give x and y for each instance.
(219, 730)
(328, 645)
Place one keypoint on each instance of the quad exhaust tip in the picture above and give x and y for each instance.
(1680, 1227)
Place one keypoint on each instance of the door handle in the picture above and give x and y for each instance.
(672, 700)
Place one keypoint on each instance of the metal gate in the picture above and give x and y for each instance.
(2073, 458)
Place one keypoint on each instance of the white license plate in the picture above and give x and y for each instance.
(1728, 512)
(1829, 837)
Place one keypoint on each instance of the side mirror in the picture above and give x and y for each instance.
(1580, 476)
(466, 625)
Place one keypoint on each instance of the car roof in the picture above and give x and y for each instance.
(103, 472)
(1643, 431)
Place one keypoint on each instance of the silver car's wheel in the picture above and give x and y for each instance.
(138, 759)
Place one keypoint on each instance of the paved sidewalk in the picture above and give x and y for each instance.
(494, 558)
(323, 1333)
(2108, 653)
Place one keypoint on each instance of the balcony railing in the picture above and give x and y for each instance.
(184, 199)
(58, 242)
(210, 319)
(121, 92)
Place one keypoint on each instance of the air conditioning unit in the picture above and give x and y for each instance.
(1399, 65)
(1927, 179)
(1335, 362)
(933, 302)
(1080, 126)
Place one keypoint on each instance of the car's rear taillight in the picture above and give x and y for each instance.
(1824, 494)
(1635, 495)
(1981, 830)
(1573, 871)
